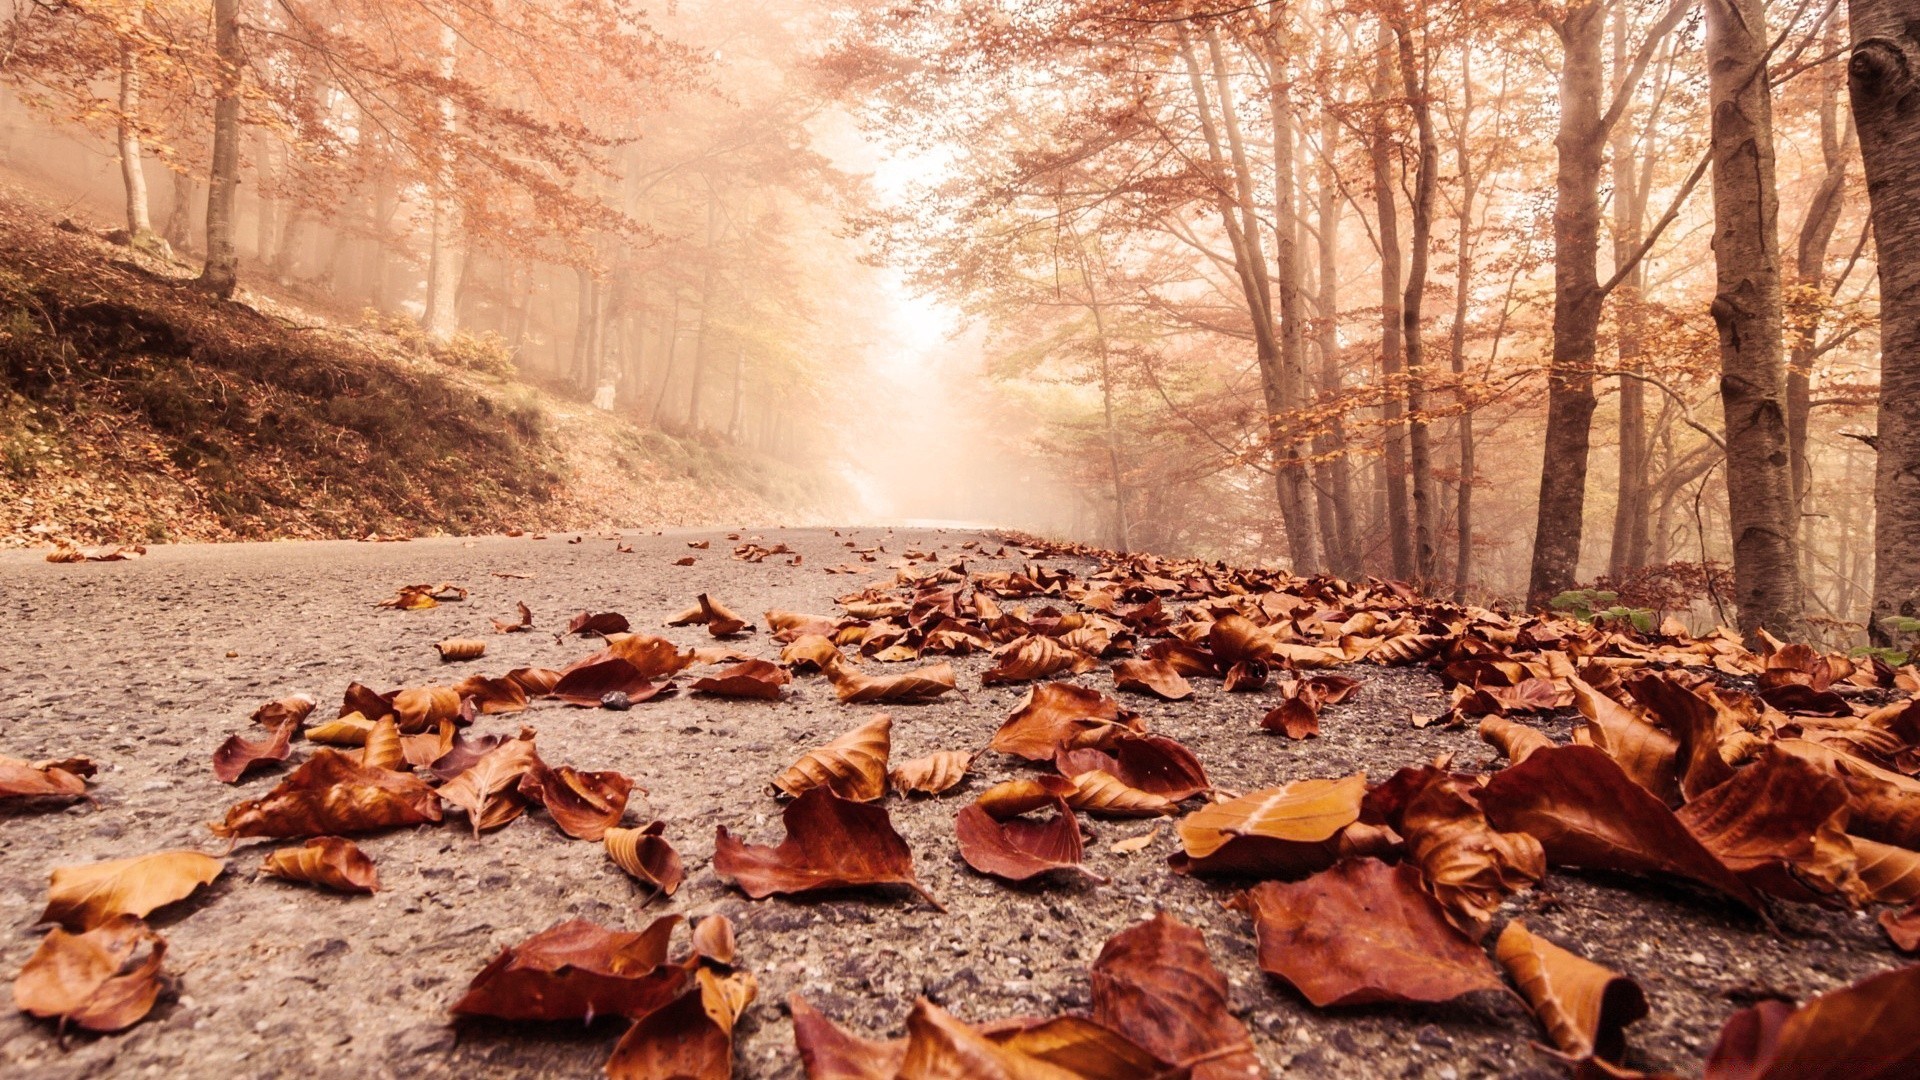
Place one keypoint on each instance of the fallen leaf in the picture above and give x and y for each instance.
(332, 793)
(1133, 845)
(853, 766)
(422, 750)
(1891, 874)
(274, 713)
(93, 980)
(21, 779)
(811, 651)
(489, 790)
(328, 861)
(1015, 847)
(654, 657)
(1024, 794)
(383, 750)
(349, 730)
(829, 1053)
(1155, 984)
(1860, 1032)
(83, 897)
(920, 684)
(1586, 812)
(1584, 1007)
(1361, 933)
(420, 708)
(1283, 831)
(588, 682)
(583, 804)
(1061, 715)
(599, 623)
(720, 622)
(647, 856)
(1903, 928)
(691, 1038)
(1469, 866)
(713, 940)
(525, 624)
(1156, 677)
(751, 679)
(577, 970)
(937, 772)
(1102, 793)
(1152, 763)
(1234, 638)
(461, 648)
(1781, 824)
(1513, 739)
(831, 843)
(1643, 750)
(1033, 657)
(1245, 675)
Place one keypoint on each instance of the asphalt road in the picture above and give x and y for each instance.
(147, 666)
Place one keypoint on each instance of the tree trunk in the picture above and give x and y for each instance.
(179, 231)
(1581, 143)
(1413, 77)
(1884, 80)
(132, 174)
(1747, 310)
(1295, 506)
(220, 275)
(1336, 485)
(671, 331)
(1810, 278)
(1627, 549)
(739, 391)
(442, 316)
(1393, 463)
(1462, 286)
(1122, 539)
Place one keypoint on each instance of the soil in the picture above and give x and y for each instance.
(146, 666)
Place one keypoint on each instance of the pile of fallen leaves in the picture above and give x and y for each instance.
(1770, 777)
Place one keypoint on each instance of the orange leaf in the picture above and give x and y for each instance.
(1156, 677)
(332, 793)
(647, 856)
(1584, 1007)
(1860, 1032)
(1015, 847)
(584, 804)
(831, 843)
(1155, 984)
(83, 897)
(1035, 657)
(92, 980)
(937, 772)
(576, 971)
(489, 790)
(752, 679)
(689, 1039)
(1061, 715)
(325, 860)
(237, 755)
(918, 685)
(854, 765)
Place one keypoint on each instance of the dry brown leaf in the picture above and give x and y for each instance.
(1274, 832)
(1780, 823)
(647, 856)
(1903, 928)
(460, 648)
(828, 1053)
(1234, 638)
(234, 757)
(589, 682)
(1156, 677)
(1035, 657)
(274, 713)
(1133, 845)
(576, 971)
(525, 623)
(1584, 1007)
(328, 861)
(1152, 763)
(1014, 847)
(1469, 867)
(422, 750)
(94, 980)
(1696, 725)
(1860, 1032)
(750, 679)
(383, 749)
(1644, 751)
(83, 897)
(933, 774)
(811, 651)
(1102, 793)
(1586, 812)
(583, 804)
(918, 685)
(831, 843)
(600, 623)
(1361, 933)
(489, 790)
(1515, 740)
(1155, 984)
(420, 708)
(1062, 715)
(333, 793)
(690, 1038)
(853, 766)
(713, 940)
(23, 780)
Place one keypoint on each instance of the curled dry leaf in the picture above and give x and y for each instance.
(332, 793)
(831, 843)
(489, 790)
(584, 804)
(750, 679)
(1027, 793)
(599, 623)
(853, 766)
(713, 940)
(1890, 874)
(1244, 675)
(1860, 1032)
(937, 772)
(349, 730)
(295, 707)
(1903, 928)
(829, 1053)
(94, 980)
(715, 616)
(1156, 677)
(790, 626)
(235, 756)
(83, 897)
(1515, 740)
(461, 648)
(652, 656)
(1034, 656)
(501, 626)
(1151, 763)
(1469, 867)
(587, 682)
(1014, 847)
(1780, 824)
(1102, 793)
(1696, 726)
(1364, 932)
(383, 749)
(1155, 984)
(420, 708)
(24, 780)
(689, 1039)
(1062, 715)
(1586, 812)
(1644, 751)
(1234, 638)
(920, 684)
(422, 750)
(647, 856)
(1276, 832)
(1584, 1007)
(328, 861)
(811, 652)
(576, 971)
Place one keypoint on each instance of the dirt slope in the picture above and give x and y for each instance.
(134, 409)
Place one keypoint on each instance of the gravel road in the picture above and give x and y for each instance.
(147, 666)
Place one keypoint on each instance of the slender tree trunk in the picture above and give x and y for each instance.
(1581, 142)
(1809, 293)
(1122, 540)
(739, 391)
(1628, 547)
(586, 294)
(1295, 505)
(1413, 77)
(1343, 552)
(441, 318)
(1747, 309)
(670, 331)
(179, 231)
(1884, 80)
(1462, 288)
(220, 275)
(1393, 462)
(132, 174)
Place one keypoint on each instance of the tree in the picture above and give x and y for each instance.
(220, 275)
